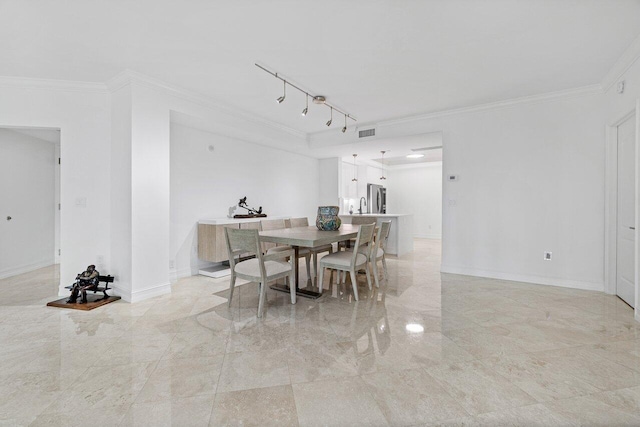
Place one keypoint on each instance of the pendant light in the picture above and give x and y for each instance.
(306, 109)
(331, 119)
(344, 129)
(355, 169)
(383, 177)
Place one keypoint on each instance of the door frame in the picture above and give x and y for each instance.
(611, 205)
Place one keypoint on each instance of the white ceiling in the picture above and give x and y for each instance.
(375, 59)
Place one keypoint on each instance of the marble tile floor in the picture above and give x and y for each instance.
(425, 349)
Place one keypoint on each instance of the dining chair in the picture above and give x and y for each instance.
(261, 269)
(304, 222)
(350, 261)
(356, 220)
(269, 248)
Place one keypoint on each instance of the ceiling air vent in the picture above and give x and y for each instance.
(367, 132)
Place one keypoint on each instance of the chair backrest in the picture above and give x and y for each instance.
(242, 242)
(299, 222)
(365, 236)
(272, 224)
(383, 236)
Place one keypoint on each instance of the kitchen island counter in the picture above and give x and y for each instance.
(400, 240)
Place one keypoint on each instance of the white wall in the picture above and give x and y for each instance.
(206, 184)
(27, 194)
(417, 190)
(531, 179)
(81, 112)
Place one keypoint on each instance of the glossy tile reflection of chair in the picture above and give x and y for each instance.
(304, 222)
(378, 251)
(350, 261)
(262, 268)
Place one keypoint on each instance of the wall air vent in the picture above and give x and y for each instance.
(367, 132)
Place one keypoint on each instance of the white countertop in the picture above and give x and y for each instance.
(376, 215)
(224, 221)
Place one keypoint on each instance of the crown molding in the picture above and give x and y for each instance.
(550, 96)
(626, 60)
(532, 99)
(127, 77)
(65, 85)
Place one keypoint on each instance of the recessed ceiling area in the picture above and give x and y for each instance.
(434, 154)
(377, 59)
(396, 150)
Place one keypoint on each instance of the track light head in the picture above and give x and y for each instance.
(305, 111)
(329, 122)
(284, 93)
(331, 119)
(344, 129)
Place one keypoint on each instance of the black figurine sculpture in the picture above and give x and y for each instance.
(251, 213)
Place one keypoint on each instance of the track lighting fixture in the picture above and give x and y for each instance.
(284, 93)
(317, 99)
(355, 169)
(383, 177)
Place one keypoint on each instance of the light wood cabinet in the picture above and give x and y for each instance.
(211, 244)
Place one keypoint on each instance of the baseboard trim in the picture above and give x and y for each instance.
(538, 280)
(143, 294)
(175, 275)
(25, 268)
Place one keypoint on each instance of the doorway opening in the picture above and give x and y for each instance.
(30, 217)
(621, 228)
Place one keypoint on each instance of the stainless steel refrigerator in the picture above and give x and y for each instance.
(376, 199)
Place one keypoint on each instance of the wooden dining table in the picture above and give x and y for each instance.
(306, 237)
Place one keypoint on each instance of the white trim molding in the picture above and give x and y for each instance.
(524, 278)
(319, 137)
(143, 294)
(25, 268)
(626, 60)
(130, 76)
(64, 85)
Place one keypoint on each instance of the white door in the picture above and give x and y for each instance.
(625, 286)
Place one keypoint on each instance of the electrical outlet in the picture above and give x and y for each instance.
(548, 255)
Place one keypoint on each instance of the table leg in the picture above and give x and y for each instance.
(300, 292)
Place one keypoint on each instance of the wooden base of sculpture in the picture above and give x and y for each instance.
(92, 302)
(251, 216)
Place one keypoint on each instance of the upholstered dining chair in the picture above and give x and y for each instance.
(269, 248)
(262, 268)
(304, 222)
(350, 261)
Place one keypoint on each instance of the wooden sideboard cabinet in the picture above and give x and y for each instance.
(211, 244)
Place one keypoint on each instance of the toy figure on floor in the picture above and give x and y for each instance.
(86, 280)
